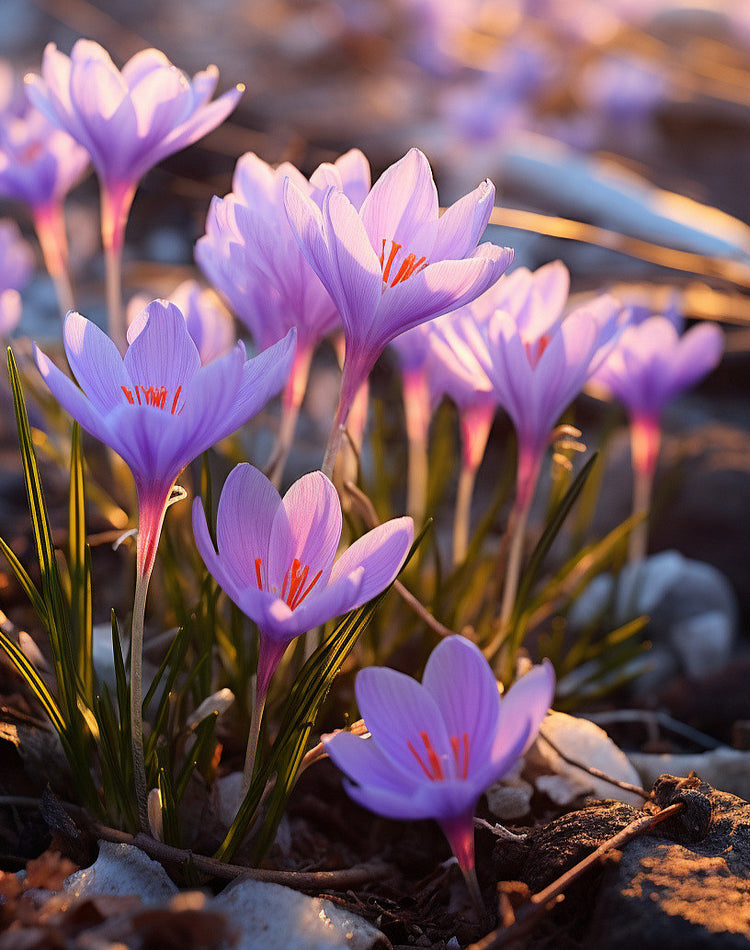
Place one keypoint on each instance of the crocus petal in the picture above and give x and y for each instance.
(529, 697)
(380, 553)
(96, 362)
(324, 603)
(354, 170)
(245, 514)
(204, 120)
(699, 351)
(401, 201)
(314, 516)
(466, 692)
(400, 713)
(437, 289)
(365, 764)
(71, 398)
(463, 224)
(161, 352)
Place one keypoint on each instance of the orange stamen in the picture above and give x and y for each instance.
(176, 397)
(128, 394)
(395, 248)
(409, 266)
(456, 746)
(258, 563)
(416, 756)
(432, 756)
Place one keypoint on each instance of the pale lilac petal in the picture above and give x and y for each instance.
(400, 713)
(437, 289)
(364, 763)
(380, 552)
(145, 61)
(426, 802)
(698, 352)
(401, 201)
(462, 225)
(263, 377)
(528, 698)
(161, 352)
(465, 689)
(354, 170)
(324, 603)
(96, 362)
(204, 120)
(314, 512)
(71, 398)
(245, 514)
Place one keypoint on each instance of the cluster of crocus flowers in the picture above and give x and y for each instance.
(39, 164)
(276, 560)
(209, 324)
(435, 747)
(16, 266)
(394, 263)
(128, 121)
(158, 408)
(250, 255)
(651, 365)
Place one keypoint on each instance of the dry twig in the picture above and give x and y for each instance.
(538, 905)
(596, 773)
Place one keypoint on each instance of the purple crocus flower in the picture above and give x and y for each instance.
(276, 557)
(210, 326)
(39, 164)
(435, 747)
(157, 407)
(650, 366)
(395, 263)
(250, 255)
(127, 120)
(276, 561)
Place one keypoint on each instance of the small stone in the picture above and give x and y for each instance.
(122, 869)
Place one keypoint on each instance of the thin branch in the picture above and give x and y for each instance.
(302, 880)
(543, 901)
(596, 773)
(367, 510)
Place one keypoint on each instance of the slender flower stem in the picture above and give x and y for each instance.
(645, 439)
(529, 464)
(476, 423)
(116, 200)
(291, 401)
(470, 876)
(136, 698)
(462, 515)
(259, 702)
(334, 439)
(417, 415)
(49, 223)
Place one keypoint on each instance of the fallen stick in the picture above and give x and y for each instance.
(538, 905)
(596, 773)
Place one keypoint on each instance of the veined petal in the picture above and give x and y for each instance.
(325, 603)
(314, 517)
(401, 201)
(142, 63)
(95, 361)
(245, 514)
(161, 352)
(380, 552)
(529, 697)
(462, 225)
(405, 721)
(465, 689)
(364, 763)
(354, 170)
(439, 288)
(71, 398)
(426, 802)
(204, 120)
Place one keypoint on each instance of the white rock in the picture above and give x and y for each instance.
(703, 643)
(509, 801)
(272, 917)
(123, 869)
(585, 742)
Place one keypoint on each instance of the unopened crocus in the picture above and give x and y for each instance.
(435, 748)
(276, 561)
(250, 255)
(16, 266)
(39, 164)
(209, 324)
(158, 408)
(394, 263)
(128, 121)
(649, 367)
(538, 362)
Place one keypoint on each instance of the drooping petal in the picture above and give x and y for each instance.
(405, 721)
(96, 362)
(71, 398)
(465, 689)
